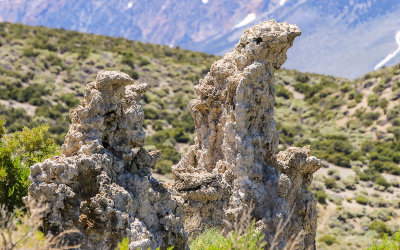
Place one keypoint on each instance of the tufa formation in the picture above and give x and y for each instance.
(233, 167)
(102, 184)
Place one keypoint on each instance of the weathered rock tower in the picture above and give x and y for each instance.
(102, 184)
(233, 161)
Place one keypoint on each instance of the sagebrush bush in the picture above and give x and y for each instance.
(19, 151)
(328, 239)
(361, 199)
(330, 183)
(373, 100)
(387, 243)
(335, 148)
(380, 227)
(320, 196)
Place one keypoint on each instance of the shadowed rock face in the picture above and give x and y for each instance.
(102, 184)
(233, 161)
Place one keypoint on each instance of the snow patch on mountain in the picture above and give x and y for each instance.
(391, 55)
(248, 19)
(282, 2)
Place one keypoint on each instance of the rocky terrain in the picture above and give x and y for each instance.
(353, 125)
(341, 38)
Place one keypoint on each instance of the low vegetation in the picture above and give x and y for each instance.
(387, 243)
(19, 151)
(213, 239)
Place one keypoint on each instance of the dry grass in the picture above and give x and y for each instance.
(243, 234)
(19, 230)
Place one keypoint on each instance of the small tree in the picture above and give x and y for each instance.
(18, 152)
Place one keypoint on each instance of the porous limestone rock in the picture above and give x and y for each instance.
(102, 184)
(233, 162)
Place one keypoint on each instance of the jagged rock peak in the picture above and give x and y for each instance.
(233, 162)
(102, 184)
(109, 117)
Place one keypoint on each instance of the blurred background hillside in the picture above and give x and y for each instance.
(345, 38)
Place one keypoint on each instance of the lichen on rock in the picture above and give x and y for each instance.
(102, 184)
(233, 161)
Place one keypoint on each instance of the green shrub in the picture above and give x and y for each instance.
(213, 239)
(320, 196)
(345, 87)
(128, 60)
(387, 243)
(143, 62)
(25, 94)
(371, 116)
(393, 114)
(37, 101)
(382, 182)
(281, 91)
(181, 136)
(350, 182)
(132, 73)
(334, 148)
(18, 152)
(43, 44)
(53, 112)
(361, 199)
(330, 183)
(340, 160)
(164, 166)
(332, 172)
(30, 52)
(302, 77)
(395, 183)
(373, 100)
(123, 245)
(379, 88)
(17, 118)
(384, 157)
(287, 132)
(328, 239)
(380, 227)
(383, 103)
(69, 100)
(83, 54)
(157, 125)
(355, 96)
(53, 60)
(151, 113)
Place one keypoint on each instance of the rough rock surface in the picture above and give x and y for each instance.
(102, 182)
(233, 161)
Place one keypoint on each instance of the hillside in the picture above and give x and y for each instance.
(353, 125)
(341, 38)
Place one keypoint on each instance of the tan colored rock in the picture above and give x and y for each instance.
(102, 184)
(233, 162)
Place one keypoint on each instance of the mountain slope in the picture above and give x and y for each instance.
(354, 125)
(342, 38)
